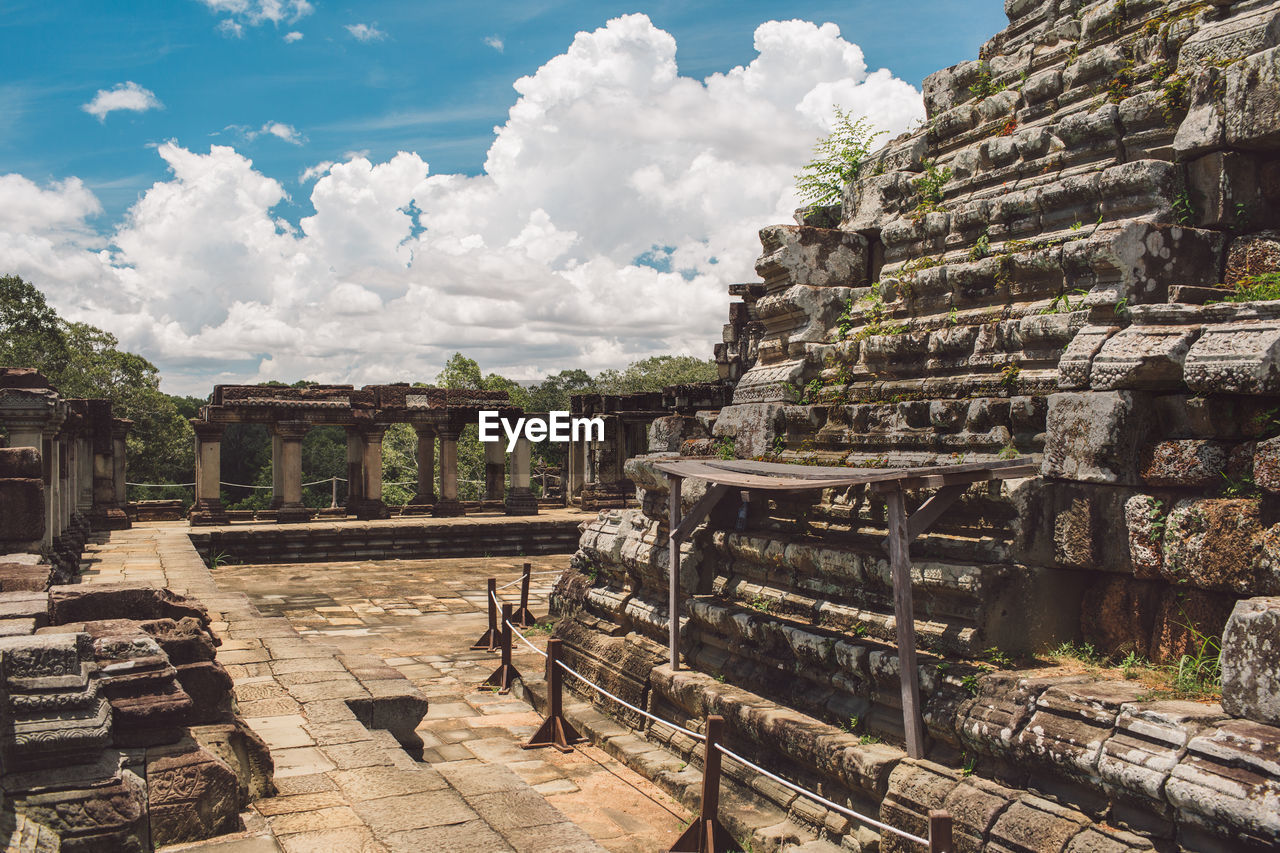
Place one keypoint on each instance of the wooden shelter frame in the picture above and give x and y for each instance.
(951, 481)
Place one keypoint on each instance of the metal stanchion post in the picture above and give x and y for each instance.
(489, 639)
(555, 730)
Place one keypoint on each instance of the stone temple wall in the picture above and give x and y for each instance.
(1033, 272)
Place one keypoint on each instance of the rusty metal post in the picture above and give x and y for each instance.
(940, 831)
(706, 834)
(523, 617)
(489, 639)
(555, 730)
(505, 673)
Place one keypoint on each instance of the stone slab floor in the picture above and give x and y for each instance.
(476, 789)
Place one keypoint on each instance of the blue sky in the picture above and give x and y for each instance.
(431, 85)
(372, 79)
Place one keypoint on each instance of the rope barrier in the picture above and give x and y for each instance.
(858, 816)
(870, 821)
(160, 485)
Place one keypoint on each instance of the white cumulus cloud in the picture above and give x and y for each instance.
(366, 32)
(123, 96)
(495, 42)
(240, 13)
(293, 36)
(617, 202)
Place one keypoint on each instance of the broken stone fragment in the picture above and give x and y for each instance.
(1190, 463)
(1251, 661)
(87, 603)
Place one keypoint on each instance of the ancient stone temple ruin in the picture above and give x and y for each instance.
(119, 729)
(1048, 267)
(365, 413)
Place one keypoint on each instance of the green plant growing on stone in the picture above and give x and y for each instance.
(858, 629)
(851, 727)
(1184, 212)
(1132, 662)
(1266, 423)
(998, 658)
(869, 739)
(1173, 98)
(985, 86)
(220, 559)
(1008, 452)
(981, 247)
(1009, 375)
(1062, 304)
(1121, 309)
(1159, 518)
(812, 392)
(837, 160)
(1239, 487)
(1086, 653)
(726, 447)
(1264, 287)
(720, 677)
(874, 314)
(929, 187)
(953, 317)
(759, 603)
(1199, 673)
(970, 683)
(970, 762)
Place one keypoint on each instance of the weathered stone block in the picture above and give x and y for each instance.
(1119, 614)
(23, 518)
(1143, 357)
(1216, 544)
(87, 603)
(1192, 463)
(1253, 255)
(1033, 823)
(1253, 101)
(1148, 741)
(753, 427)
(191, 794)
(1251, 661)
(1144, 519)
(1242, 358)
(1077, 361)
(818, 257)
(1229, 782)
(1094, 437)
(1070, 723)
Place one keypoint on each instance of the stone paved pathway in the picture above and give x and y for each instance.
(343, 787)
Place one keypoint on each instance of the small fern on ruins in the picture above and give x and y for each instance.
(837, 159)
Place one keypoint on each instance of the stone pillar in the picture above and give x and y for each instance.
(208, 507)
(426, 465)
(84, 460)
(520, 500)
(355, 470)
(577, 458)
(119, 431)
(448, 504)
(289, 470)
(277, 469)
(495, 471)
(371, 505)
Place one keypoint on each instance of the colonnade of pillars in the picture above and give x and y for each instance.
(82, 450)
(364, 473)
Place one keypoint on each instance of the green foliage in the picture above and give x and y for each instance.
(760, 603)
(929, 187)
(1084, 652)
(1062, 303)
(970, 684)
(1239, 487)
(1198, 673)
(726, 447)
(654, 374)
(981, 247)
(970, 762)
(997, 658)
(869, 739)
(1184, 212)
(1132, 662)
(83, 361)
(1009, 375)
(874, 315)
(837, 160)
(984, 86)
(1008, 452)
(1255, 288)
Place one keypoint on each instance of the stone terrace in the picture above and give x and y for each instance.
(300, 639)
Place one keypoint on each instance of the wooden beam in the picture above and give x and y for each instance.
(673, 589)
(715, 491)
(904, 617)
(937, 481)
(929, 511)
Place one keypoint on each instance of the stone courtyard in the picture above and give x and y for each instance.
(340, 786)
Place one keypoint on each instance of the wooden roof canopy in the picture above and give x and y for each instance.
(951, 481)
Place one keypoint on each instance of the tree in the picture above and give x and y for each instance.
(656, 373)
(81, 360)
(837, 161)
(460, 372)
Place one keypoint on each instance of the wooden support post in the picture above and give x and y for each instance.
(904, 617)
(940, 831)
(489, 639)
(505, 673)
(673, 544)
(555, 730)
(706, 834)
(523, 616)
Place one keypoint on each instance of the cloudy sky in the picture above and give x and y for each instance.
(245, 190)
